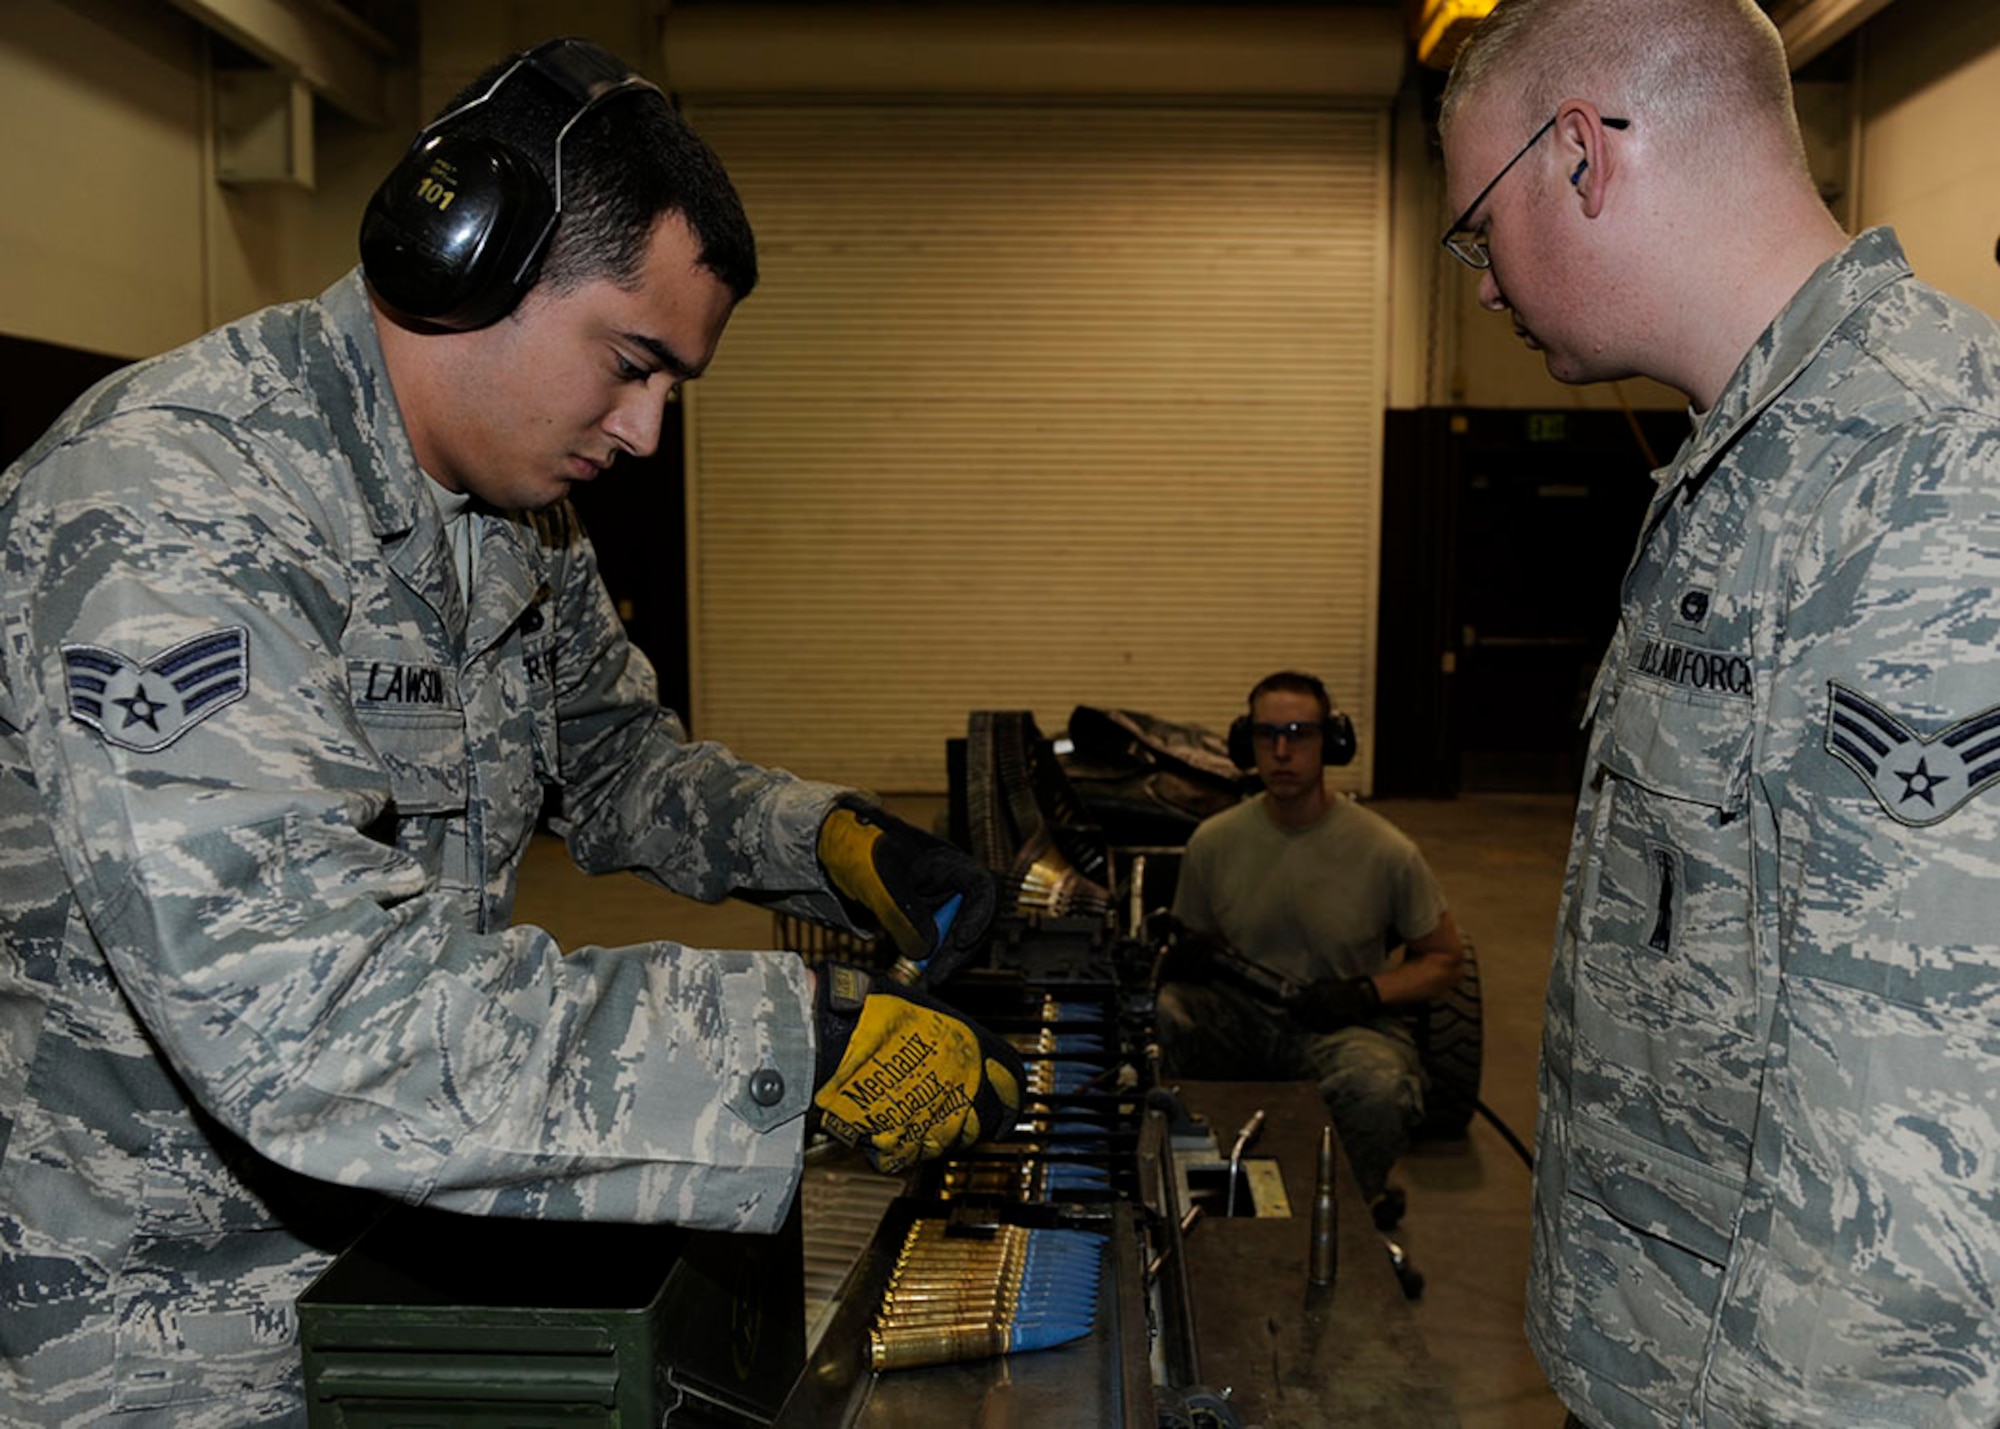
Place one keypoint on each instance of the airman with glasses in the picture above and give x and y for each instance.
(1764, 1167)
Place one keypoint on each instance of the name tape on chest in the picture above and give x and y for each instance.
(146, 705)
(1917, 780)
(391, 684)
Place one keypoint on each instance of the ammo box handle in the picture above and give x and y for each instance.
(519, 1378)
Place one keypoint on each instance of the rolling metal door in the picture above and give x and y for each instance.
(1036, 407)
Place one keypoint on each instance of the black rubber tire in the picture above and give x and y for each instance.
(1451, 1037)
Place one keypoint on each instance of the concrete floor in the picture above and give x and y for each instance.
(1500, 859)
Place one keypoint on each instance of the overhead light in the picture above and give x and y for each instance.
(1442, 25)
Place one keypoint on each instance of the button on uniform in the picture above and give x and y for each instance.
(767, 1086)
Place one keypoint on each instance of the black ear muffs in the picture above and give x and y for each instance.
(454, 236)
(1336, 741)
(1241, 754)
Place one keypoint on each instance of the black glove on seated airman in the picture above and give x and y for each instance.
(1336, 1002)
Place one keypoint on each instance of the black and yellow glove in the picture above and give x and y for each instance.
(903, 1076)
(932, 899)
(1336, 1002)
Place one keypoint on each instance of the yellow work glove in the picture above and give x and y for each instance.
(905, 1077)
(932, 899)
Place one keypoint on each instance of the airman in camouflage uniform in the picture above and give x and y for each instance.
(1765, 1189)
(267, 773)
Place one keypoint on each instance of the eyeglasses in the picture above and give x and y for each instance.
(1468, 244)
(1298, 731)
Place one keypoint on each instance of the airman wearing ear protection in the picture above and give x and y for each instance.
(299, 637)
(1320, 893)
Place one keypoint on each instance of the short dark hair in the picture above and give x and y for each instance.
(628, 160)
(1294, 682)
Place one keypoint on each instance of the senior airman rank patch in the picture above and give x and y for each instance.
(1917, 781)
(147, 707)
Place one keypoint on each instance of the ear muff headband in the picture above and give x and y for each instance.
(453, 236)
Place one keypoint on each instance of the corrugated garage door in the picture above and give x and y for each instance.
(1036, 407)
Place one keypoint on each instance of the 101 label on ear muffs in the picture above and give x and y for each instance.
(452, 237)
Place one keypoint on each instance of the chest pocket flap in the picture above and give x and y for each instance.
(416, 726)
(1682, 723)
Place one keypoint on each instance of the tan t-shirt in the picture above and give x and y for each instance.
(1328, 900)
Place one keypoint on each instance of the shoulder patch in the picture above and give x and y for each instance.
(146, 707)
(1917, 781)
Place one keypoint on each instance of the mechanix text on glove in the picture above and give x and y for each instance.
(905, 1077)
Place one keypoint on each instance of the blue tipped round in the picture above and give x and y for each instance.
(1042, 1337)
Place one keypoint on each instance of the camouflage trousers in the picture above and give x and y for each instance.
(1370, 1076)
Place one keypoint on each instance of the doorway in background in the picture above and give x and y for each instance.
(1506, 534)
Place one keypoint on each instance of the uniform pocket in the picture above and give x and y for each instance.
(204, 1295)
(1664, 1031)
(199, 1319)
(415, 725)
(1670, 912)
(1638, 1302)
(1680, 743)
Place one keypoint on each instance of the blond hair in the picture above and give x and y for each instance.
(1687, 70)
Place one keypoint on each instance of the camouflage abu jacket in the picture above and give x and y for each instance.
(264, 788)
(1768, 1178)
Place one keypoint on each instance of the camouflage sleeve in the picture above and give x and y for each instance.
(1862, 1285)
(306, 982)
(638, 794)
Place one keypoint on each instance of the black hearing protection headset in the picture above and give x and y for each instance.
(453, 236)
(1336, 731)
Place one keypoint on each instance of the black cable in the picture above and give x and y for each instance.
(1507, 1132)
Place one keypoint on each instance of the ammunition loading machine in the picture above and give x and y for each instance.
(1202, 1308)
(1206, 1314)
